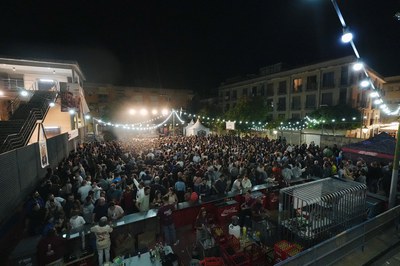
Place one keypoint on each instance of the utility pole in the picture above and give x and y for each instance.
(395, 171)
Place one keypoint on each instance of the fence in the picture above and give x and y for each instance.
(20, 172)
(336, 248)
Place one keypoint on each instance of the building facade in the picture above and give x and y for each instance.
(122, 104)
(297, 92)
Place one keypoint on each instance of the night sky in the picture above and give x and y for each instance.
(197, 44)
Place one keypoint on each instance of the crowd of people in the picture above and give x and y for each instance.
(113, 179)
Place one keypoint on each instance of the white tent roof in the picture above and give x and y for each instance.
(198, 125)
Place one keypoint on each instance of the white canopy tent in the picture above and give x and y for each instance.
(191, 123)
(197, 130)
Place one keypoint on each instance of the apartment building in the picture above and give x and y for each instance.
(296, 92)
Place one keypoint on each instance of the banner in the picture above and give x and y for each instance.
(230, 125)
(70, 97)
(44, 157)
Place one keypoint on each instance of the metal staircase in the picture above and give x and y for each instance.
(17, 131)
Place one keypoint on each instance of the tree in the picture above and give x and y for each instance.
(248, 110)
(337, 114)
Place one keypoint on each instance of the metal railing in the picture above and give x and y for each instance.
(21, 138)
(336, 248)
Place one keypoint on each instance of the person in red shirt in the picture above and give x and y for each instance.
(164, 213)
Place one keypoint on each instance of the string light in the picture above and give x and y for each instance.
(358, 65)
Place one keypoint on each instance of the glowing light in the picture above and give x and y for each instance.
(154, 111)
(87, 117)
(24, 93)
(52, 104)
(143, 111)
(71, 111)
(374, 94)
(132, 111)
(47, 80)
(347, 36)
(164, 112)
(365, 83)
(358, 66)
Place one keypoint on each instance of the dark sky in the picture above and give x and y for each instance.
(197, 44)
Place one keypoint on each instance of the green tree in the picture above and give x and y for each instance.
(248, 110)
(351, 116)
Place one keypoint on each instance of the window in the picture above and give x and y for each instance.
(297, 85)
(281, 104)
(227, 95)
(344, 75)
(312, 83)
(282, 87)
(296, 103)
(244, 92)
(328, 80)
(234, 95)
(327, 99)
(69, 79)
(311, 101)
(270, 104)
(343, 96)
(262, 90)
(296, 116)
(270, 89)
(254, 91)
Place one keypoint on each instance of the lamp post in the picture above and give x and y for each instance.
(395, 171)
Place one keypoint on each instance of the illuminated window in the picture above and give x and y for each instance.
(297, 85)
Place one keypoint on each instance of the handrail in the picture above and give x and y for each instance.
(335, 248)
(20, 139)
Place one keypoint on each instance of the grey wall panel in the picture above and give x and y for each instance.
(27, 166)
(9, 184)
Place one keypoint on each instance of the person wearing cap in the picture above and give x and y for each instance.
(103, 242)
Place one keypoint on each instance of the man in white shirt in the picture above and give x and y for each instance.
(76, 220)
(237, 184)
(114, 211)
(246, 183)
(143, 202)
(84, 190)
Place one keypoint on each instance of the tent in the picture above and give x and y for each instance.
(191, 123)
(197, 130)
(378, 148)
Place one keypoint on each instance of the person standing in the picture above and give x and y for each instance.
(167, 222)
(143, 203)
(201, 225)
(103, 243)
